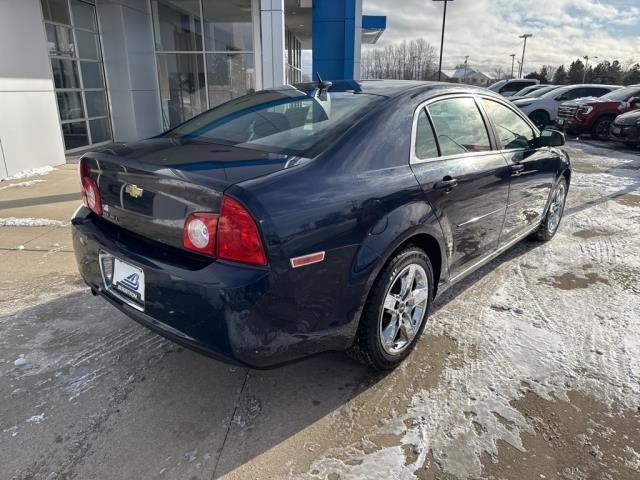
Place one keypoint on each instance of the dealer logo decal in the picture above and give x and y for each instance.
(131, 281)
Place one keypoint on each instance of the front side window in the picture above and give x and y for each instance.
(459, 126)
(426, 146)
(512, 130)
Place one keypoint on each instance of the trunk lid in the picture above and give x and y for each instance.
(151, 186)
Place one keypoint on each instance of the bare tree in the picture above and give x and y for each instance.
(407, 60)
(498, 72)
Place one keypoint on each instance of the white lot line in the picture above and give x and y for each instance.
(564, 316)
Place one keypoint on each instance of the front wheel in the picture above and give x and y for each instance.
(551, 222)
(600, 130)
(396, 311)
(540, 119)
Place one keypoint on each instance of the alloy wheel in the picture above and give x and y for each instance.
(556, 208)
(404, 309)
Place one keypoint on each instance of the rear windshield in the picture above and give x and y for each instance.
(289, 121)
(540, 92)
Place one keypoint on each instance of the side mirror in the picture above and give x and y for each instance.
(550, 138)
(634, 101)
(562, 98)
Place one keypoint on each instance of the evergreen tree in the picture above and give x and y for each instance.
(632, 77)
(560, 76)
(576, 72)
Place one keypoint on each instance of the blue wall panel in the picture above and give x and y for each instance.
(333, 35)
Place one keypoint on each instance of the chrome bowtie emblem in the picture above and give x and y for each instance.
(134, 190)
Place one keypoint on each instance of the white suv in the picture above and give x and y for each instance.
(543, 110)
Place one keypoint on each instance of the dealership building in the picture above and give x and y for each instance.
(81, 73)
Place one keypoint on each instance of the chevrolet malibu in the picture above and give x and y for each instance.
(314, 217)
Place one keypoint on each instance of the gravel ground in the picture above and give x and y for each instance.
(529, 369)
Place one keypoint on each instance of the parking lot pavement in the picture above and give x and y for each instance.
(529, 369)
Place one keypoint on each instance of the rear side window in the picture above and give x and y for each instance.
(512, 131)
(426, 146)
(459, 126)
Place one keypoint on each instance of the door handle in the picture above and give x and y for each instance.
(517, 169)
(447, 184)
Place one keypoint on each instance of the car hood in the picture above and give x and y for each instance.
(226, 163)
(585, 101)
(629, 118)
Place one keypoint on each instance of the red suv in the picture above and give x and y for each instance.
(595, 115)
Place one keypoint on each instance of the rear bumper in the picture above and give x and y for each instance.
(572, 126)
(217, 308)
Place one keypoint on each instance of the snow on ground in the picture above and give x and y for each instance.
(29, 172)
(563, 317)
(30, 222)
(28, 183)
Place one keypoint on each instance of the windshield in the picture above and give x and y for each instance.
(541, 91)
(496, 86)
(288, 121)
(553, 93)
(525, 92)
(622, 94)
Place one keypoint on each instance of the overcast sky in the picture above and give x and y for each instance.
(488, 30)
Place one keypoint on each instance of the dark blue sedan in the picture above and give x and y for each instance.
(314, 217)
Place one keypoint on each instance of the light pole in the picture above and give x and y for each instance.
(524, 47)
(513, 57)
(466, 59)
(586, 64)
(444, 17)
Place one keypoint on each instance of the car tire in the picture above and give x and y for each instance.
(377, 343)
(549, 226)
(540, 118)
(600, 129)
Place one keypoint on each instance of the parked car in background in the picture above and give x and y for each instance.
(543, 110)
(314, 217)
(537, 93)
(626, 128)
(507, 88)
(527, 91)
(595, 115)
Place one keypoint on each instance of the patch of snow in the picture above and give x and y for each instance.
(30, 222)
(20, 361)
(20, 247)
(29, 183)
(13, 430)
(632, 461)
(30, 172)
(36, 418)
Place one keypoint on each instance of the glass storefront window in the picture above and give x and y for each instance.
(60, 41)
(75, 135)
(228, 26)
(83, 15)
(177, 25)
(56, 11)
(229, 75)
(77, 71)
(70, 105)
(92, 74)
(87, 45)
(220, 65)
(96, 103)
(65, 73)
(182, 86)
(100, 130)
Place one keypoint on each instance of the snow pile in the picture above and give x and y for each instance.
(28, 183)
(29, 172)
(30, 222)
(36, 418)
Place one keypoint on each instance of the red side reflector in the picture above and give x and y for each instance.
(238, 236)
(307, 259)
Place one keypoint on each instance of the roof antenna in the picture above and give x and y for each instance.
(322, 85)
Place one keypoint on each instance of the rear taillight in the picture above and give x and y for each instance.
(233, 235)
(90, 191)
(238, 236)
(199, 233)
